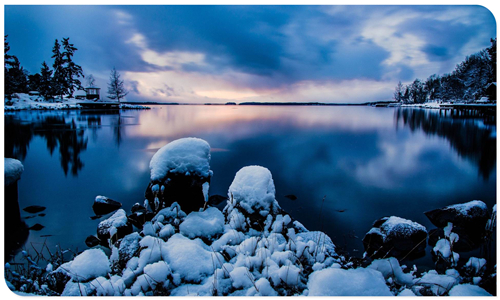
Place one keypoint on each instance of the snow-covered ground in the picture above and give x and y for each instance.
(21, 101)
(212, 252)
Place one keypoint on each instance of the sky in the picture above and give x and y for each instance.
(218, 54)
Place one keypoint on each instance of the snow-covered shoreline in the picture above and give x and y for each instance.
(250, 248)
(26, 102)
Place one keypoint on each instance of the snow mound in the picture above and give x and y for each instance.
(185, 156)
(191, 259)
(468, 290)
(439, 283)
(352, 282)
(390, 268)
(89, 264)
(13, 170)
(253, 189)
(207, 223)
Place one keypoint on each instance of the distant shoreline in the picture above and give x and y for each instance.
(263, 103)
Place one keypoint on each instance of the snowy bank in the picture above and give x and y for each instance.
(12, 170)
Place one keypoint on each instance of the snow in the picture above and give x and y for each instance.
(207, 223)
(396, 226)
(390, 268)
(186, 155)
(13, 169)
(438, 283)
(118, 219)
(476, 264)
(101, 199)
(191, 259)
(465, 208)
(468, 290)
(253, 189)
(89, 264)
(352, 282)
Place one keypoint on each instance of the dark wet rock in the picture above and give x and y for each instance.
(137, 208)
(37, 227)
(41, 215)
(140, 217)
(397, 237)
(215, 200)
(291, 197)
(92, 241)
(180, 172)
(103, 205)
(46, 235)
(95, 217)
(33, 209)
(29, 217)
(114, 228)
(465, 243)
(57, 280)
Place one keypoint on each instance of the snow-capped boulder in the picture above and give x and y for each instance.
(468, 290)
(471, 216)
(103, 205)
(12, 170)
(251, 198)
(180, 172)
(469, 222)
(87, 265)
(396, 237)
(114, 228)
(352, 282)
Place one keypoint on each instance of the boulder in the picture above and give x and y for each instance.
(114, 228)
(92, 241)
(180, 172)
(395, 237)
(470, 218)
(251, 199)
(103, 205)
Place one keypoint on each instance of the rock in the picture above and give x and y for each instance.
(33, 209)
(127, 247)
(13, 169)
(103, 205)
(180, 172)
(137, 207)
(114, 228)
(396, 237)
(215, 200)
(469, 222)
(251, 199)
(92, 241)
(140, 217)
(37, 227)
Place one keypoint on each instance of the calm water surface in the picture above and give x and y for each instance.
(365, 162)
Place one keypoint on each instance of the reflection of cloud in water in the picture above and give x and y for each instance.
(180, 121)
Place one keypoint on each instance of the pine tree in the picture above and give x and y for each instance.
(16, 80)
(59, 79)
(46, 89)
(34, 82)
(72, 71)
(116, 90)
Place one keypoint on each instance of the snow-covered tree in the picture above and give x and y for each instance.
(398, 93)
(116, 89)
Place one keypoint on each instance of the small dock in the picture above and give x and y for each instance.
(99, 105)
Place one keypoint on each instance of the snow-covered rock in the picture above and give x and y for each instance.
(103, 205)
(251, 198)
(180, 172)
(114, 228)
(390, 268)
(191, 259)
(352, 282)
(397, 237)
(88, 265)
(472, 215)
(13, 169)
(205, 224)
(468, 290)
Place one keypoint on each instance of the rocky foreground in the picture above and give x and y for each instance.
(177, 244)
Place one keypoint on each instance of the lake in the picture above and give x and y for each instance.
(347, 165)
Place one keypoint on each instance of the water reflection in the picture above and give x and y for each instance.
(469, 136)
(57, 132)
